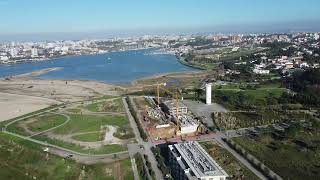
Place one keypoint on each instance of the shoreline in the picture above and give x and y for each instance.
(22, 61)
(37, 73)
(167, 74)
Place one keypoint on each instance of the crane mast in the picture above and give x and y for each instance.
(177, 101)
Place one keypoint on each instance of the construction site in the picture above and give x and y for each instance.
(167, 116)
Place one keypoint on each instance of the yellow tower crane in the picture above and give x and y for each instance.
(174, 95)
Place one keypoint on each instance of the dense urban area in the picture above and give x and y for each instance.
(250, 111)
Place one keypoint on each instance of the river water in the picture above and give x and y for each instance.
(114, 67)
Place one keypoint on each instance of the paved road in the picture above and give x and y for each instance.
(146, 145)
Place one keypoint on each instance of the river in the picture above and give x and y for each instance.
(115, 67)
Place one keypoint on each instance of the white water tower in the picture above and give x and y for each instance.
(208, 93)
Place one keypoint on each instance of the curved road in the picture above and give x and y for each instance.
(66, 116)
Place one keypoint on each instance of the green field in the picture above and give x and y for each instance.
(90, 123)
(46, 122)
(105, 149)
(20, 159)
(236, 96)
(256, 94)
(37, 124)
(228, 162)
(89, 137)
(107, 106)
(18, 130)
(293, 155)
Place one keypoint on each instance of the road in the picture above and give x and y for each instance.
(146, 145)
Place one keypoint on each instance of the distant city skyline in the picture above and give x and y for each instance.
(51, 20)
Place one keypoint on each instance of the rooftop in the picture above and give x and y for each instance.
(198, 160)
(172, 104)
(186, 120)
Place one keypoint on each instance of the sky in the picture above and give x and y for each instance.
(20, 17)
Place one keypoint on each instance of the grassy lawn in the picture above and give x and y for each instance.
(90, 137)
(15, 128)
(107, 106)
(20, 159)
(256, 94)
(228, 162)
(235, 96)
(105, 149)
(295, 155)
(89, 123)
(37, 124)
(46, 122)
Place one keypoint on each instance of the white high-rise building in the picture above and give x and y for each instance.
(316, 36)
(208, 93)
(13, 52)
(34, 52)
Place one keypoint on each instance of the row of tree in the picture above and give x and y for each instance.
(134, 114)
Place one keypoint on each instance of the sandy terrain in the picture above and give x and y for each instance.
(58, 89)
(23, 93)
(12, 105)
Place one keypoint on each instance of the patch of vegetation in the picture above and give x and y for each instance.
(15, 128)
(235, 120)
(133, 112)
(150, 170)
(107, 106)
(143, 173)
(245, 97)
(292, 154)
(89, 123)
(45, 122)
(228, 162)
(74, 110)
(21, 159)
(105, 149)
(50, 108)
(161, 162)
(306, 84)
(89, 137)
(124, 133)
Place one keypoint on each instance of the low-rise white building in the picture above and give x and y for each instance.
(261, 71)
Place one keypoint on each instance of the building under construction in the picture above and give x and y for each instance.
(184, 120)
(170, 107)
(189, 161)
